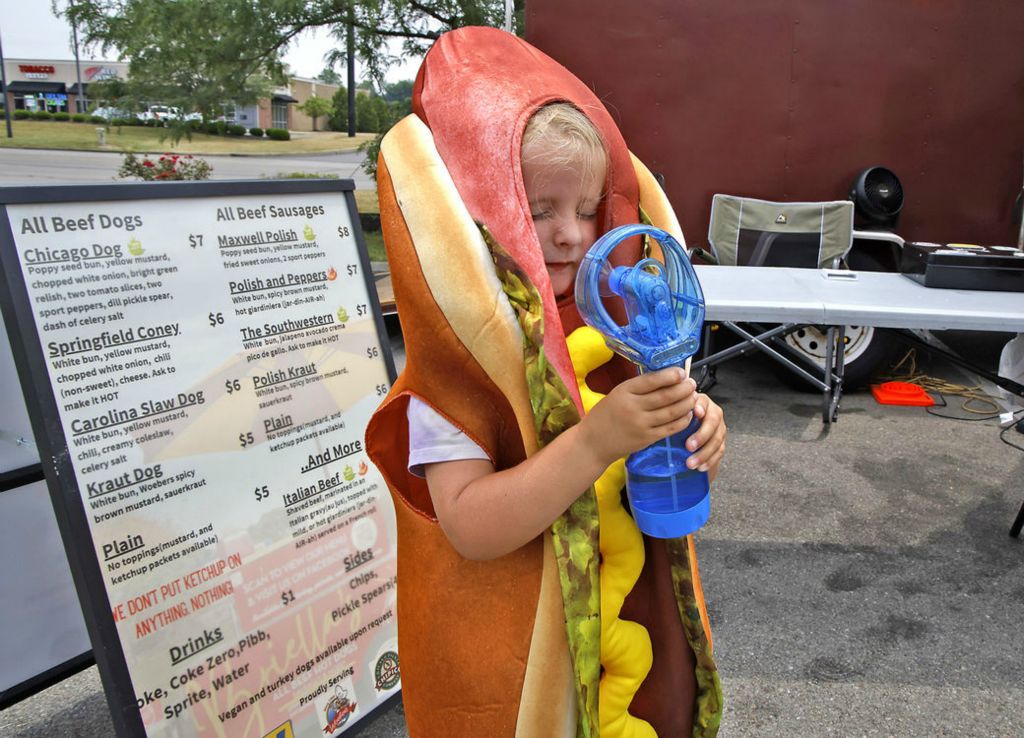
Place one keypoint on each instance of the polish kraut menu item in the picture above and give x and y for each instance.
(214, 362)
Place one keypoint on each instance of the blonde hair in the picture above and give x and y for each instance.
(562, 135)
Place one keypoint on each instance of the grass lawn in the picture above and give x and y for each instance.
(375, 245)
(366, 201)
(82, 137)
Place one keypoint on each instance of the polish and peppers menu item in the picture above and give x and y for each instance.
(215, 362)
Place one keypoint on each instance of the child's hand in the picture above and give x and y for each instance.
(707, 443)
(639, 412)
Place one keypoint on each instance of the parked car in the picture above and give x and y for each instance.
(112, 113)
(160, 112)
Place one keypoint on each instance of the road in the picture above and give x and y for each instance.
(35, 166)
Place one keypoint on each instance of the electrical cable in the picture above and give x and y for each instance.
(942, 388)
(1002, 437)
(972, 395)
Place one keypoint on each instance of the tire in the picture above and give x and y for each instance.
(868, 350)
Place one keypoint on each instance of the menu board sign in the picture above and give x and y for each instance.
(201, 361)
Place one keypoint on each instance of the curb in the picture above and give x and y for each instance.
(182, 153)
(288, 153)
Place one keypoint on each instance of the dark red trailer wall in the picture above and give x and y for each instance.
(790, 99)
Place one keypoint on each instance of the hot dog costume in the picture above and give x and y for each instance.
(590, 629)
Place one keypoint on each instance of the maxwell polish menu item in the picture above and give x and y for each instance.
(205, 359)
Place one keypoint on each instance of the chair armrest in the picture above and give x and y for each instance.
(879, 236)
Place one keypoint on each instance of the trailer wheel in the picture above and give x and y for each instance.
(867, 351)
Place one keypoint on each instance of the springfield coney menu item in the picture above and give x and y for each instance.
(206, 365)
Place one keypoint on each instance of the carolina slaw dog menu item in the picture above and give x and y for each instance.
(215, 362)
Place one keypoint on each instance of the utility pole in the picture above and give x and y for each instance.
(350, 61)
(3, 78)
(80, 97)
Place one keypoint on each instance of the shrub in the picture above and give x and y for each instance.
(79, 117)
(167, 168)
(257, 132)
(279, 134)
(370, 150)
(62, 116)
(97, 119)
(235, 130)
(42, 115)
(214, 127)
(195, 125)
(22, 114)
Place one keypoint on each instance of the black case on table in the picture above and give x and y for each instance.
(964, 267)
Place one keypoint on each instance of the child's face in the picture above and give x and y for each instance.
(563, 202)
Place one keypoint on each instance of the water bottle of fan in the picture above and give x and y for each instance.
(664, 306)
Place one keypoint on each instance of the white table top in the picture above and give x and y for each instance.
(826, 297)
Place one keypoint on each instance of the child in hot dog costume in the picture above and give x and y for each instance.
(528, 602)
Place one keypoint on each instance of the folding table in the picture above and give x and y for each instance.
(799, 297)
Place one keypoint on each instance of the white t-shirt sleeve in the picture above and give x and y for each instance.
(432, 439)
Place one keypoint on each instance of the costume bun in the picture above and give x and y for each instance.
(509, 647)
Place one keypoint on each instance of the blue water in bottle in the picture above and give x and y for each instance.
(668, 499)
(664, 306)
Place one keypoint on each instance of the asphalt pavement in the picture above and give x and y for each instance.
(860, 578)
(35, 166)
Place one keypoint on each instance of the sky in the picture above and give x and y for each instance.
(29, 30)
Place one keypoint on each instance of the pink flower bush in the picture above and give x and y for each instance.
(167, 167)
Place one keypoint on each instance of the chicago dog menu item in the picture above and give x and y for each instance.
(214, 362)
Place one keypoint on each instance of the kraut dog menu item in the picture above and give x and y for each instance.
(206, 359)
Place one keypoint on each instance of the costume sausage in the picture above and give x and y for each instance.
(515, 646)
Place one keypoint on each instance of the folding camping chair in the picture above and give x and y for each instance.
(747, 232)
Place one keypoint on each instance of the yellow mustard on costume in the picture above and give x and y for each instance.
(625, 646)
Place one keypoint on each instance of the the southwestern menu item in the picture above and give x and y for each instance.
(201, 361)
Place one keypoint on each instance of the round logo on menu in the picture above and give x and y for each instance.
(386, 673)
(338, 710)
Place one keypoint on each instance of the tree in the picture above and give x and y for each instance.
(229, 41)
(112, 92)
(315, 107)
(398, 91)
(367, 114)
(198, 54)
(192, 54)
(339, 119)
(329, 76)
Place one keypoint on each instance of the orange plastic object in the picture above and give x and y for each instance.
(901, 393)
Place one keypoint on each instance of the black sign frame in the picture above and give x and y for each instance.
(40, 399)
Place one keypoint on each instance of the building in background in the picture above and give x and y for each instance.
(301, 89)
(52, 85)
